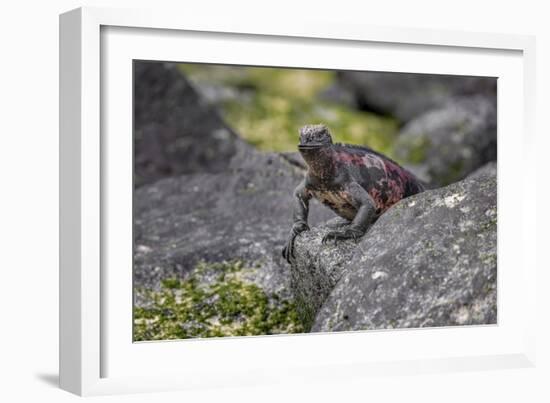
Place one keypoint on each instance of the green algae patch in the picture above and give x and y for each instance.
(413, 149)
(455, 172)
(268, 106)
(215, 300)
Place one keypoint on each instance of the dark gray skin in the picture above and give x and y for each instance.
(356, 182)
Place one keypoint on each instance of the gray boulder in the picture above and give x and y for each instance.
(450, 142)
(176, 131)
(242, 213)
(428, 261)
(407, 95)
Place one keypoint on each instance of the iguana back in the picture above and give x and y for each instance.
(384, 179)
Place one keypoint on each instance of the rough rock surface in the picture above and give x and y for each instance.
(450, 142)
(317, 269)
(243, 212)
(407, 95)
(176, 131)
(428, 261)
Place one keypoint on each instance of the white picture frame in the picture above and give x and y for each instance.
(94, 346)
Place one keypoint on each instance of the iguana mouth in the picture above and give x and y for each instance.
(311, 146)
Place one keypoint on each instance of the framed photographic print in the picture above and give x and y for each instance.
(242, 203)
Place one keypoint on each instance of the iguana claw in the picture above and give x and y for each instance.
(341, 235)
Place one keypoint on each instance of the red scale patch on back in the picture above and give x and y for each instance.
(392, 187)
(349, 158)
(397, 172)
(387, 191)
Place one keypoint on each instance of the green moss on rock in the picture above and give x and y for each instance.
(215, 300)
(454, 173)
(416, 149)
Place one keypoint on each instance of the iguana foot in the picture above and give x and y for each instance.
(288, 250)
(342, 235)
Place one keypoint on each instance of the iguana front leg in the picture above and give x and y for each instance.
(300, 213)
(365, 213)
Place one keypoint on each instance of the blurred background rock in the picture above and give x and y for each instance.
(194, 117)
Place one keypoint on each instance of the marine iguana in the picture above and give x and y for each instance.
(356, 182)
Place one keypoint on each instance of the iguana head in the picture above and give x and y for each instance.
(314, 137)
(316, 150)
